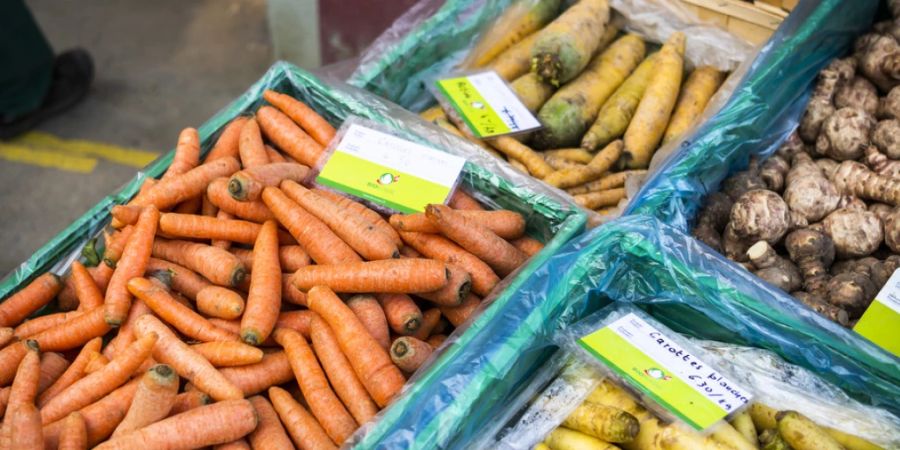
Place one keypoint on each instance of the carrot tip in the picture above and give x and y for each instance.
(236, 189)
(251, 337)
(163, 370)
(109, 262)
(412, 325)
(32, 344)
(237, 277)
(400, 348)
(112, 321)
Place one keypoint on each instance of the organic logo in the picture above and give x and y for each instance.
(388, 178)
(477, 105)
(658, 374)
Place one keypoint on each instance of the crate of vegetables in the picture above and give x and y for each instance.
(611, 83)
(221, 276)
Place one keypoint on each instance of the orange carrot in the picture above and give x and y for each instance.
(504, 223)
(340, 372)
(436, 340)
(461, 200)
(371, 363)
(125, 214)
(222, 243)
(274, 369)
(153, 400)
(201, 227)
(402, 313)
(97, 361)
(115, 242)
(217, 423)
(100, 418)
(285, 134)
(132, 264)
(227, 354)
(305, 431)
(457, 315)
(67, 300)
(219, 302)
(409, 252)
(186, 362)
(323, 246)
(25, 423)
(96, 385)
(239, 444)
(323, 403)
(125, 336)
(274, 155)
(30, 299)
(269, 434)
(53, 365)
(250, 145)
(248, 184)
(7, 334)
(477, 239)
(255, 211)
(34, 326)
(455, 291)
(264, 298)
(430, 319)
(369, 312)
(290, 257)
(25, 385)
(527, 245)
(89, 295)
(184, 280)
(207, 208)
(73, 435)
(187, 401)
(296, 320)
(168, 193)
(302, 115)
(367, 214)
(351, 228)
(385, 276)
(189, 206)
(409, 353)
(182, 318)
(187, 153)
(227, 144)
(74, 372)
(437, 247)
(289, 293)
(215, 264)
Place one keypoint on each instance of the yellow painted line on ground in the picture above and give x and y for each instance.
(113, 153)
(46, 158)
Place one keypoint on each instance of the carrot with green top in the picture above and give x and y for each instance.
(323, 246)
(457, 315)
(269, 434)
(532, 160)
(372, 364)
(228, 354)
(369, 312)
(287, 135)
(181, 317)
(152, 401)
(352, 229)
(367, 214)
(438, 247)
(217, 265)
(322, 401)
(30, 299)
(290, 257)
(599, 165)
(457, 288)
(248, 184)
(409, 353)
(302, 115)
(216, 301)
(100, 417)
(274, 369)
(250, 145)
(255, 211)
(480, 241)
(385, 276)
(528, 245)
(653, 112)
(73, 435)
(264, 298)
(504, 223)
(187, 153)
(227, 143)
(168, 193)
(698, 89)
(565, 46)
(132, 264)
(305, 431)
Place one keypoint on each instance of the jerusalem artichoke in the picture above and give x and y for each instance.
(854, 178)
(822, 307)
(859, 93)
(821, 106)
(851, 291)
(854, 233)
(712, 220)
(889, 106)
(762, 215)
(886, 136)
(813, 252)
(773, 268)
(845, 134)
(878, 56)
(807, 192)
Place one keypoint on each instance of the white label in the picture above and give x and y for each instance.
(890, 294)
(487, 104)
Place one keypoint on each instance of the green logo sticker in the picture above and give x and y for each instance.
(487, 105)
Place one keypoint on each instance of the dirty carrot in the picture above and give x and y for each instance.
(578, 155)
(430, 319)
(250, 145)
(132, 264)
(183, 318)
(384, 276)
(216, 301)
(403, 315)
(74, 372)
(593, 170)
(515, 60)
(322, 401)
(30, 299)
(73, 435)
(274, 369)
(598, 199)
(186, 362)
(287, 136)
(611, 181)
(461, 200)
(481, 242)
(227, 354)
(532, 160)
(248, 184)
(527, 245)
(305, 431)
(408, 353)
(323, 246)
(264, 298)
(369, 312)
(189, 400)
(269, 434)
(290, 257)
(302, 115)
(438, 247)
(152, 401)
(217, 265)
(457, 315)
(168, 193)
(254, 211)
(457, 288)
(369, 215)
(25, 425)
(187, 153)
(34, 326)
(506, 224)
(371, 363)
(698, 89)
(100, 417)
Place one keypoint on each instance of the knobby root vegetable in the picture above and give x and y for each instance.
(855, 233)
(889, 107)
(698, 89)
(712, 220)
(734, 247)
(517, 22)
(565, 46)
(802, 434)
(878, 59)
(813, 252)
(881, 164)
(886, 136)
(845, 134)
(851, 291)
(773, 268)
(773, 171)
(762, 215)
(742, 182)
(603, 422)
(859, 93)
(854, 178)
(807, 192)
(820, 107)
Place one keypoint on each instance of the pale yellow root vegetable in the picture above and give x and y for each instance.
(763, 416)
(675, 436)
(606, 423)
(565, 46)
(532, 91)
(652, 115)
(700, 86)
(578, 155)
(563, 438)
(518, 165)
(613, 180)
(743, 423)
(728, 436)
(771, 440)
(515, 61)
(803, 434)
(533, 160)
(561, 164)
(449, 126)
(606, 210)
(433, 113)
(541, 446)
(851, 442)
(590, 172)
(616, 113)
(517, 22)
(594, 200)
(611, 395)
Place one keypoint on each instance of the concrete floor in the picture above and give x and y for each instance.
(161, 65)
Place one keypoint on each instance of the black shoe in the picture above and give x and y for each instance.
(73, 72)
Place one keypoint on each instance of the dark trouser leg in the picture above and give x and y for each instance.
(26, 60)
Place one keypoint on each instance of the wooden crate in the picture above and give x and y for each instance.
(753, 21)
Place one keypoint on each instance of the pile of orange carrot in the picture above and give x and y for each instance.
(236, 306)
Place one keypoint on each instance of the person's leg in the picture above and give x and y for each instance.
(26, 61)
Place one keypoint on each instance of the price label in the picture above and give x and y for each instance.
(881, 321)
(401, 175)
(487, 105)
(665, 371)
